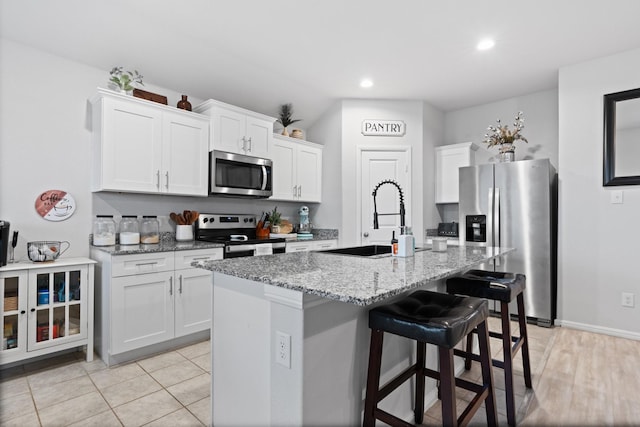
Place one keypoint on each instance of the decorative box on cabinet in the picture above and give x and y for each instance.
(297, 170)
(151, 302)
(145, 147)
(237, 130)
(449, 158)
(46, 307)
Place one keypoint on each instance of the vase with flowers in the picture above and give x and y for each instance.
(123, 81)
(504, 137)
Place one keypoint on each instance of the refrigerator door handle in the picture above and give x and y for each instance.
(489, 230)
(496, 216)
(496, 223)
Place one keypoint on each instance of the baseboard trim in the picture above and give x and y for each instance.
(599, 329)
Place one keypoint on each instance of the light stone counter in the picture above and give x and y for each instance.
(353, 279)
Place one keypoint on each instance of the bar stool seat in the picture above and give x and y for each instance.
(442, 320)
(502, 287)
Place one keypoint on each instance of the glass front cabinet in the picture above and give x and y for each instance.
(46, 307)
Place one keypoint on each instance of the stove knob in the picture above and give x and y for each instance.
(212, 219)
(250, 219)
(246, 220)
(205, 220)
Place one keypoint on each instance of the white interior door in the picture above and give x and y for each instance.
(375, 167)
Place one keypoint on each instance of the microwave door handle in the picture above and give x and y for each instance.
(264, 177)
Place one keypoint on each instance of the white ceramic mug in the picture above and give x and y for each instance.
(184, 232)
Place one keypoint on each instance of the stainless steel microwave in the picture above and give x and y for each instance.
(238, 175)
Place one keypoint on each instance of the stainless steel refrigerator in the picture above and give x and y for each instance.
(515, 205)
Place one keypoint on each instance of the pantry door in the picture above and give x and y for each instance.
(377, 165)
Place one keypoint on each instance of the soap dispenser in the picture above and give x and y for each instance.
(406, 243)
(394, 244)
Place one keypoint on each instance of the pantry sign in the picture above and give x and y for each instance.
(383, 128)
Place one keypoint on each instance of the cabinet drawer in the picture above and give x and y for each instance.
(127, 265)
(183, 259)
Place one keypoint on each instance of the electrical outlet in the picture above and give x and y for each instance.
(283, 349)
(628, 299)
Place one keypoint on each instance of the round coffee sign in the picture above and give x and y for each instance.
(55, 205)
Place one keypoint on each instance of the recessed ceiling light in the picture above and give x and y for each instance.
(366, 83)
(486, 44)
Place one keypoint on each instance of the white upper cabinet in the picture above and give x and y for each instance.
(297, 170)
(237, 130)
(145, 147)
(449, 158)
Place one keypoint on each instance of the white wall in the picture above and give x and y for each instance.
(598, 241)
(353, 113)
(328, 129)
(540, 127)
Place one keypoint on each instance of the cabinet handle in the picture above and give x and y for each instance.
(146, 263)
(200, 258)
(244, 144)
(33, 310)
(295, 190)
(22, 312)
(181, 283)
(299, 190)
(170, 285)
(158, 179)
(166, 175)
(250, 145)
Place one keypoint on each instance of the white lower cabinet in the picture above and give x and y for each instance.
(46, 307)
(149, 299)
(311, 245)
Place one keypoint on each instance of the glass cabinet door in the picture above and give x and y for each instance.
(13, 291)
(57, 306)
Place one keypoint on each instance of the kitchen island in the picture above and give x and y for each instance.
(290, 335)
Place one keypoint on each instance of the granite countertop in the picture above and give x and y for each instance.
(357, 280)
(163, 246)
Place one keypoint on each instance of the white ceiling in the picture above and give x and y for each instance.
(259, 54)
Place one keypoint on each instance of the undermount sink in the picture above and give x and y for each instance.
(369, 250)
(373, 251)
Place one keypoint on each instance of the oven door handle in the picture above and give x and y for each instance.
(240, 248)
(264, 178)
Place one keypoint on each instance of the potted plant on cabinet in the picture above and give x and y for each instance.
(275, 219)
(504, 137)
(123, 81)
(286, 110)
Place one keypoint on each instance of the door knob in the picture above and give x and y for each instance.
(366, 234)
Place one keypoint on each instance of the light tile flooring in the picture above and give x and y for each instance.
(171, 389)
(579, 378)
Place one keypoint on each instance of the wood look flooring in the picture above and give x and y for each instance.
(579, 379)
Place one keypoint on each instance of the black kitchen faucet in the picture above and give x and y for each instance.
(375, 207)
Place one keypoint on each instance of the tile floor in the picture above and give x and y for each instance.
(171, 389)
(579, 378)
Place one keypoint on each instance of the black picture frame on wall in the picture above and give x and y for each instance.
(611, 100)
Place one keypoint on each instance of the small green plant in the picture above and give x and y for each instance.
(275, 217)
(125, 79)
(286, 110)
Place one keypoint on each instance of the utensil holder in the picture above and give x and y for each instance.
(184, 233)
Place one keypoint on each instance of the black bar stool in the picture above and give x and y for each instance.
(503, 287)
(439, 319)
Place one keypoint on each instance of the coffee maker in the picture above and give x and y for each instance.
(4, 242)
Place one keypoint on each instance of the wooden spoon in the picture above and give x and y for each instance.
(174, 217)
(194, 216)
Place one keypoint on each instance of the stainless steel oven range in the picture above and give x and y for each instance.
(238, 233)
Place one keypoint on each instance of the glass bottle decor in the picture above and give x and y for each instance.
(184, 104)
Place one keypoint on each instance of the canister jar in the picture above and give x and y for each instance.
(104, 231)
(129, 230)
(149, 229)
